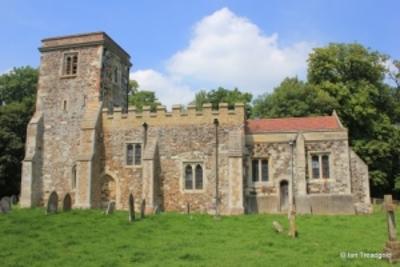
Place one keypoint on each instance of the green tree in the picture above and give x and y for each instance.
(222, 95)
(17, 84)
(293, 98)
(17, 90)
(133, 87)
(139, 99)
(354, 76)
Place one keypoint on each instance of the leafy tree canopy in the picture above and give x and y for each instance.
(17, 91)
(222, 95)
(17, 84)
(142, 98)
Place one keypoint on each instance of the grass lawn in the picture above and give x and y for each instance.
(89, 238)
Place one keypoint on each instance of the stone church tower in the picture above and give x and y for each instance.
(77, 74)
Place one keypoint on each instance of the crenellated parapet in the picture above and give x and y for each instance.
(179, 114)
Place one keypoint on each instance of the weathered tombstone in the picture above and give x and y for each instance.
(143, 209)
(131, 204)
(277, 226)
(5, 205)
(292, 223)
(67, 203)
(110, 208)
(13, 199)
(157, 209)
(392, 247)
(188, 208)
(52, 203)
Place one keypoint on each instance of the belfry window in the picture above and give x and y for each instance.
(193, 176)
(320, 166)
(259, 170)
(70, 64)
(133, 154)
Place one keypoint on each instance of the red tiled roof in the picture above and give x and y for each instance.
(292, 124)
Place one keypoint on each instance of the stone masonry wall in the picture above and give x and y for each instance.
(339, 182)
(181, 137)
(114, 94)
(279, 159)
(359, 179)
(62, 127)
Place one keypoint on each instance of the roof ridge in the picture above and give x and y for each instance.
(292, 118)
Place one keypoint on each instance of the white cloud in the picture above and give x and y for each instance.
(230, 51)
(167, 90)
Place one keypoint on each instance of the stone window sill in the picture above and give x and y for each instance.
(133, 166)
(68, 76)
(321, 180)
(193, 191)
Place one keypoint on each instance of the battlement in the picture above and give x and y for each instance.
(178, 115)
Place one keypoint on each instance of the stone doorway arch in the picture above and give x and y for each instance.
(52, 203)
(67, 203)
(284, 195)
(108, 190)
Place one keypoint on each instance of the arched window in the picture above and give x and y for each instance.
(73, 181)
(129, 154)
(199, 177)
(188, 177)
(138, 154)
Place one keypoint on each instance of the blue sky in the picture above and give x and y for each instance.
(180, 47)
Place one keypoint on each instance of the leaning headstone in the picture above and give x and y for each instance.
(277, 226)
(13, 199)
(131, 203)
(5, 205)
(67, 203)
(157, 209)
(392, 247)
(52, 203)
(292, 223)
(110, 208)
(143, 209)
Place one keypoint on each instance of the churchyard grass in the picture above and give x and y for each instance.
(89, 238)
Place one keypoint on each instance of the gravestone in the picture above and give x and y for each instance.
(392, 247)
(292, 223)
(110, 208)
(67, 203)
(188, 208)
(157, 209)
(52, 203)
(13, 199)
(277, 226)
(143, 209)
(5, 205)
(131, 203)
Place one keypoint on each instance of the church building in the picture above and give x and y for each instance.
(85, 144)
